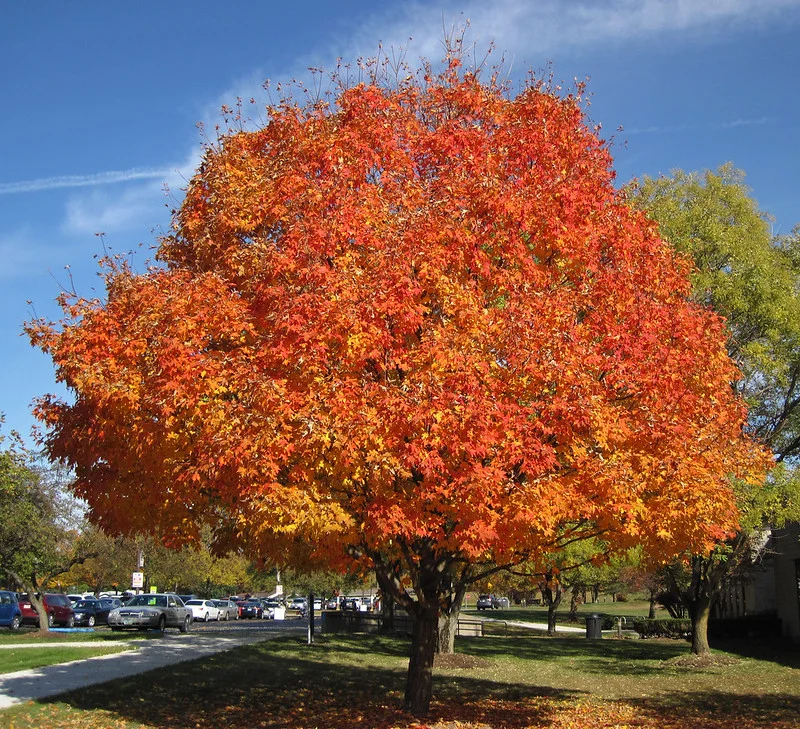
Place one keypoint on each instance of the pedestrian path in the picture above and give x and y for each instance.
(537, 626)
(146, 655)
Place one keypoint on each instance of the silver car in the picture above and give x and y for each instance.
(154, 610)
(227, 609)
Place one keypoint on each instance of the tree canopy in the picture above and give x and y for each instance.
(414, 327)
(752, 278)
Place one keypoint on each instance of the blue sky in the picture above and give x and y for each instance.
(102, 102)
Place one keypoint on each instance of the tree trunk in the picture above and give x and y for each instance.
(651, 613)
(551, 594)
(419, 682)
(701, 610)
(387, 613)
(36, 604)
(576, 600)
(448, 626)
(448, 620)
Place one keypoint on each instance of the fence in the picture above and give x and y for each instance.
(335, 621)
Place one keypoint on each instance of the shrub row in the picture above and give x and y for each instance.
(663, 627)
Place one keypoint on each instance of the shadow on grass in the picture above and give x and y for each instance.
(601, 657)
(344, 682)
(718, 708)
(358, 681)
(773, 650)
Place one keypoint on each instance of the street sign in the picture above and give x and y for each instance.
(137, 580)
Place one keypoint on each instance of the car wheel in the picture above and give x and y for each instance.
(90, 621)
(187, 621)
(16, 621)
(205, 619)
(71, 621)
(51, 621)
(162, 623)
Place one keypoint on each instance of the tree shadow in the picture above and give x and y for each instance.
(773, 650)
(602, 657)
(274, 685)
(358, 682)
(710, 708)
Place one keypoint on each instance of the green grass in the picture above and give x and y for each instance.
(538, 614)
(22, 658)
(357, 682)
(27, 636)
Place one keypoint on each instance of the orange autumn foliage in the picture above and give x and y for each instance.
(419, 314)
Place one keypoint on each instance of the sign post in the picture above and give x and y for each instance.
(310, 612)
(137, 580)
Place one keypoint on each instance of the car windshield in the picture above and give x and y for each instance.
(85, 604)
(148, 600)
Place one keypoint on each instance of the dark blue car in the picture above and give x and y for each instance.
(10, 613)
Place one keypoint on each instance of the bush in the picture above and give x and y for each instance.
(663, 627)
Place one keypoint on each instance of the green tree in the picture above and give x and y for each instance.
(37, 525)
(752, 278)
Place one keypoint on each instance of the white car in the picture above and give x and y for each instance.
(204, 610)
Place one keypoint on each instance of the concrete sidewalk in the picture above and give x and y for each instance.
(536, 626)
(39, 683)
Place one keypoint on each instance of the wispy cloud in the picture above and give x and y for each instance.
(139, 206)
(711, 126)
(97, 178)
(530, 29)
(745, 123)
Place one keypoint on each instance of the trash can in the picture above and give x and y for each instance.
(594, 626)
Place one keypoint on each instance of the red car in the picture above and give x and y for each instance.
(58, 608)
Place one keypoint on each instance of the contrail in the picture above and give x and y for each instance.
(99, 178)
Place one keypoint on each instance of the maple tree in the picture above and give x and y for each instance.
(413, 328)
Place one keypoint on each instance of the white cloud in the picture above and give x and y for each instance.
(516, 27)
(67, 181)
(138, 206)
(546, 26)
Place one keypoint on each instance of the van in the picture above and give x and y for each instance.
(57, 606)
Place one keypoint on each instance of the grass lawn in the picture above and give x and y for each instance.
(19, 659)
(538, 614)
(509, 683)
(27, 636)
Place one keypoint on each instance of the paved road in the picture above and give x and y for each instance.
(174, 647)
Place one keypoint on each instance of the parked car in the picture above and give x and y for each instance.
(204, 610)
(154, 610)
(57, 606)
(334, 603)
(486, 602)
(298, 603)
(81, 596)
(270, 605)
(10, 612)
(250, 609)
(350, 604)
(227, 609)
(94, 612)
